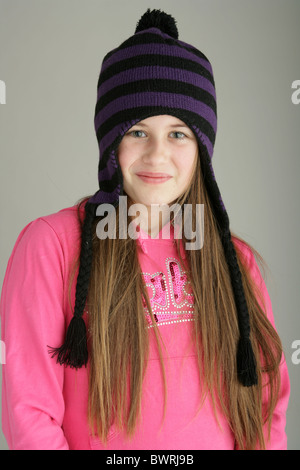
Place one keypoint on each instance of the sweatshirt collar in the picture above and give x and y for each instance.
(166, 235)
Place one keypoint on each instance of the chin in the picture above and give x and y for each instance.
(155, 202)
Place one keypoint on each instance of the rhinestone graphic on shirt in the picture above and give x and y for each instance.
(171, 297)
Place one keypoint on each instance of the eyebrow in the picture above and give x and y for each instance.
(172, 125)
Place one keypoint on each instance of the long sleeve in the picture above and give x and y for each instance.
(31, 319)
(278, 438)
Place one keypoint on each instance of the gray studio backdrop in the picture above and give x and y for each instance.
(50, 57)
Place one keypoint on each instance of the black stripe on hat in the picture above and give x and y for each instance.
(154, 60)
(155, 38)
(159, 85)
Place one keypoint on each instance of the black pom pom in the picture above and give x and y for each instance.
(158, 19)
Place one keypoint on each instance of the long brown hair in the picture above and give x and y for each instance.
(118, 334)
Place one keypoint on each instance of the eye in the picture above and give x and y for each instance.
(180, 133)
(136, 134)
(133, 133)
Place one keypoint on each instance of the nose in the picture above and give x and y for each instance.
(156, 152)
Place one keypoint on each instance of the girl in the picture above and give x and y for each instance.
(143, 342)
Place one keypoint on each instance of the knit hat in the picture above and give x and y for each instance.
(154, 73)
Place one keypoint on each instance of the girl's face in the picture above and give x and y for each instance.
(157, 158)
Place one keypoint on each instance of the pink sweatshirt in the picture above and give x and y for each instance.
(44, 405)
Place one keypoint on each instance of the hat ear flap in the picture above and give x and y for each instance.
(74, 352)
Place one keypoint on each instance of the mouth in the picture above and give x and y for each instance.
(153, 178)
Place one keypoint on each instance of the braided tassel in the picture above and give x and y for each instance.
(74, 352)
(246, 362)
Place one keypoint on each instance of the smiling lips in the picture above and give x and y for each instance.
(153, 178)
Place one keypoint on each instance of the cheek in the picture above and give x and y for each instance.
(124, 160)
(126, 157)
(186, 167)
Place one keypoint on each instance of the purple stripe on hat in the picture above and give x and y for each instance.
(156, 49)
(152, 99)
(154, 73)
(101, 197)
(110, 136)
(110, 169)
(118, 130)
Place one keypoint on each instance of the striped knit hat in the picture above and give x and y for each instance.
(154, 73)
